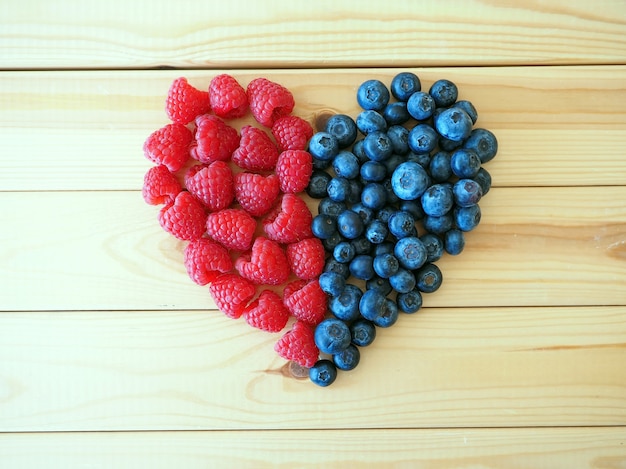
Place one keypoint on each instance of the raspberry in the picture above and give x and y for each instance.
(289, 222)
(293, 286)
(169, 146)
(256, 150)
(256, 193)
(160, 186)
(227, 96)
(212, 184)
(231, 294)
(216, 141)
(294, 169)
(205, 259)
(269, 101)
(267, 312)
(298, 345)
(306, 258)
(184, 218)
(184, 102)
(233, 228)
(265, 264)
(308, 304)
(292, 133)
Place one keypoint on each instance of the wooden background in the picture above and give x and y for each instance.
(111, 357)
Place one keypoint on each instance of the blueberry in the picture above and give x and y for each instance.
(376, 231)
(409, 181)
(373, 171)
(371, 304)
(414, 207)
(454, 242)
(366, 213)
(323, 226)
(466, 192)
(355, 191)
(467, 218)
(421, 106)
(357, 150)
(384, 248)
(323, 146)
(390, 195)
(344, 252)
(373, 94)
(347, 359)
(410, 252)
(362, 245)
(389, 315)
(428, 278)
(438, 225)
(362, 267)
(439, 167)
(343, 128)
(422, 159)
(402, 281)
(338, 189)
(377, 146)
(399, 137)
(409, 302)
(483, 178)
(350, 224)
(404, 84)
(370, 121)
(465, 163)
(385, 213)
(449, 145)
(379, 284)
(346, 165)
(332, 241)
(332, 265)
(345, 306)
(323, 373)
(444, 92)
(321, 165)
(396, 113)
(317, 184)
(423, 138)
(454, 124)
(328, 206)
(332, 336)
(385, 265)
(468, 108)
(437, 200)
(374, 196)
(434, 246)
(394, 160)
(402, 224)
(484, 143)
(332, 283)
(363, 332)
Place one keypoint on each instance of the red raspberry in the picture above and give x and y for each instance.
(212, 184)
(298, 345)
(231, 294)
(184, 102)
(216, 141)
(256, 193)
(205, 259)
(233, 228)
(294, 169)
(160, 186)
(256, 150)
(169, 146)
(228, 98)
(292, 133)
(265, 264)
(308, 304)
(293, 286)
(184, 218)
(290, 221)
(269, 101)
(267, 312)
(306, 258)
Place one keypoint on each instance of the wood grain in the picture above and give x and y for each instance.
(460, 367)
(37, 34)
(553, 448)
(85, 130)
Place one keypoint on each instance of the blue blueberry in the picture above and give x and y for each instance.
(467, 218)
(402, 224)
(404, 85)
(414, 207)
(429, 278)
(370, 121)
(366, 213)
(449, 145)
(454, 242)
(439, 167)
(434, 246)
(338, 189)
(374, 196)
(423, 138)
(345, 306)
(384, 248)
(332, 283)
(390, 196)
(409, 302)
(484, 143)
(465, 163)
(421, 106)
(483, 178)
(363, 332)
(316, 188)
(323, 226)
(343, 128)
(422, 159)
(344, 252)
(454, 124)
(332, 265)
(323, 146)
(347, 359)
(467, 192)
(410, 252)
(328, 206)
(438, 225)
(395, 159)
(371, 304)
(402, 281)
(373, 171)
(379, 284)
(376, 231)
(389, 315)
(469, 108)
(399, 137)
(332, 241)
(444, 92)
(323, 373)
(396, 113)
(437, 200)
(385, 265)
(362, 267)
(384, 214)
(361, 245)
(349, 224)
(377, 146)
(409, 181)
(357, 150)
(332, 335)
(356, 186)
(346, 165)
(373, 94)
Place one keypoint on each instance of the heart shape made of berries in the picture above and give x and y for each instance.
(398, 186)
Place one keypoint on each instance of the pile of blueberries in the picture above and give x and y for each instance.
(398, 187)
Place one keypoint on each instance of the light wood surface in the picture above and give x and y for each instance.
(111, 357)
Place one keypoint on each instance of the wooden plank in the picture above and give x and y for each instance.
(85, 130)
(554, 448)
(37, 34)
(459, 367)
(106, 250)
